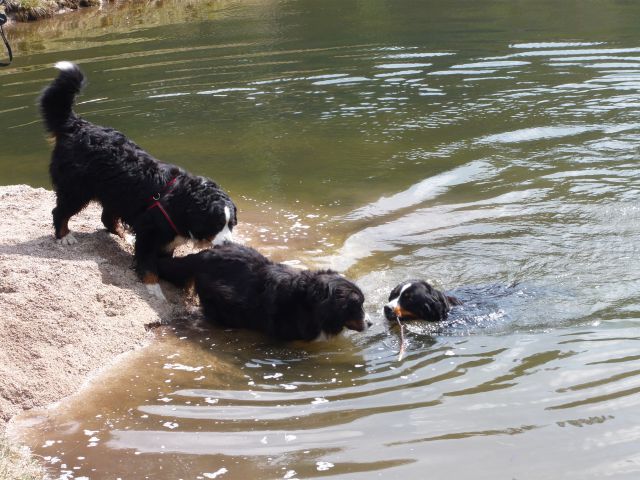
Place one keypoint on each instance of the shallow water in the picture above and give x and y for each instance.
(487, 146)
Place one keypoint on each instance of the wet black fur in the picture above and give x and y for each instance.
(91, 162)
(422, 301)
(239, 287)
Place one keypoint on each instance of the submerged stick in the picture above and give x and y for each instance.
(402, 341)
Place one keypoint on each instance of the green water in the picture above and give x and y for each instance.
(489, 146)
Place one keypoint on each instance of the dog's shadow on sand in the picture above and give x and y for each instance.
(63, 266)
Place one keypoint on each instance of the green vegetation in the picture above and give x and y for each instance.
(16, 463)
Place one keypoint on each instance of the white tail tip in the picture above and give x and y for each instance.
(65, 66)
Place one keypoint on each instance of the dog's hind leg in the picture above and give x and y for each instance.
(66, 207)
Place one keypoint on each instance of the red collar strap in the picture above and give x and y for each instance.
(167, 188)
(156, 203)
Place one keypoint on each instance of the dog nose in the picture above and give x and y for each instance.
(388, 312)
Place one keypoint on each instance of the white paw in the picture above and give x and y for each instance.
(68, 239)
(130, 239)
(155, 291)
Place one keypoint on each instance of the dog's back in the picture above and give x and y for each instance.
(229, 261)
(231, 280)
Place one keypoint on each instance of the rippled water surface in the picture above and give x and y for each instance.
(488, 146)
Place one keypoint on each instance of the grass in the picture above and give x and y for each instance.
(16, 463)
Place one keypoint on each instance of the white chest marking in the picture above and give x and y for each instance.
(225, 234)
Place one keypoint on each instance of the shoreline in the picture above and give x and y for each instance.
(34, 10)
(68, 314)
(65, 312)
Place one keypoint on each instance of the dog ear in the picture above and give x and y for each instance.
(318, 289)
(353, 298)
(428, 309)
(304, 288)
(453, 300)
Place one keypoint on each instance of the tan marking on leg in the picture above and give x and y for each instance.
(64, 229)
(149, 278)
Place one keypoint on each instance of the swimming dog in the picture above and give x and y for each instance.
(417, 299)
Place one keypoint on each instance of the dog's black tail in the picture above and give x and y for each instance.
(56, 102)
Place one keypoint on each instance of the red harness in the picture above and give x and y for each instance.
(156, 203)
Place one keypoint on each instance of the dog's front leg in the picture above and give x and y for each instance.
(146, 266)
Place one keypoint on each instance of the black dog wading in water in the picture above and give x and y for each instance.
(239, 287)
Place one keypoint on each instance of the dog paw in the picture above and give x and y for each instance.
(130, 239)
(155, 291)
(68, 239)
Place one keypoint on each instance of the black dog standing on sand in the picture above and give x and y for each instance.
(418, 300)
(239, 287)
(163, 204)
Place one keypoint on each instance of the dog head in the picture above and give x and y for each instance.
(335, 303)
(417, 300)
(210, 213)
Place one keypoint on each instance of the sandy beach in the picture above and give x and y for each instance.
(65, 311)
